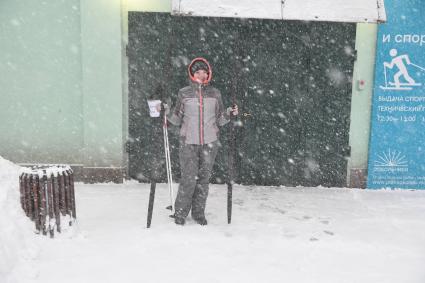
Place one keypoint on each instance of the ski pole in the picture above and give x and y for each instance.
(232, 145)
(150, 206)
(231, 170)
(385, 76)
(169, 176)
(168, 164)
(419, 67)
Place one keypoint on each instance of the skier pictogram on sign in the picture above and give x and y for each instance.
(400, 63)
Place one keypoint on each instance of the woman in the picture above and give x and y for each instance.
(199, 112)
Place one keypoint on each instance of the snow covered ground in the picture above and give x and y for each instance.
(277, 235)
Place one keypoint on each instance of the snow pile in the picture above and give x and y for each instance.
(16, 230)
(48, 170)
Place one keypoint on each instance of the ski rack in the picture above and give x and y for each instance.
(47, 195)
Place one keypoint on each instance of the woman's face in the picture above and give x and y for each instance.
(200, 76)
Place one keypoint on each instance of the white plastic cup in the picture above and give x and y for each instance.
(153, 108)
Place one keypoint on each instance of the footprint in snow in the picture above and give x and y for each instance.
(271, 208)
(227, 234)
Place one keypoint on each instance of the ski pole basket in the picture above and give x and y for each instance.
(47, 196)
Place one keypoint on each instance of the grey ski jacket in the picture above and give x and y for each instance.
(199, 111)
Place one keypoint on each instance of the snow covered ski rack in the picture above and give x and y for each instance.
(47, 196)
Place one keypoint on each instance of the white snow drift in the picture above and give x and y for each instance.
(278, 234)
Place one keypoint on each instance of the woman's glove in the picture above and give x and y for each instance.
(232, 110)
(166, 108)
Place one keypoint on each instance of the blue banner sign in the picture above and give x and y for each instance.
(397, 143)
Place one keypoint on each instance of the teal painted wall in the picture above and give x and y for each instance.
(148, 5)
(361, 101)
(101, 42)
(40, 95)
(61, 78)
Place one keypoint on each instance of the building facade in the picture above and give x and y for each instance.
(65, 86)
